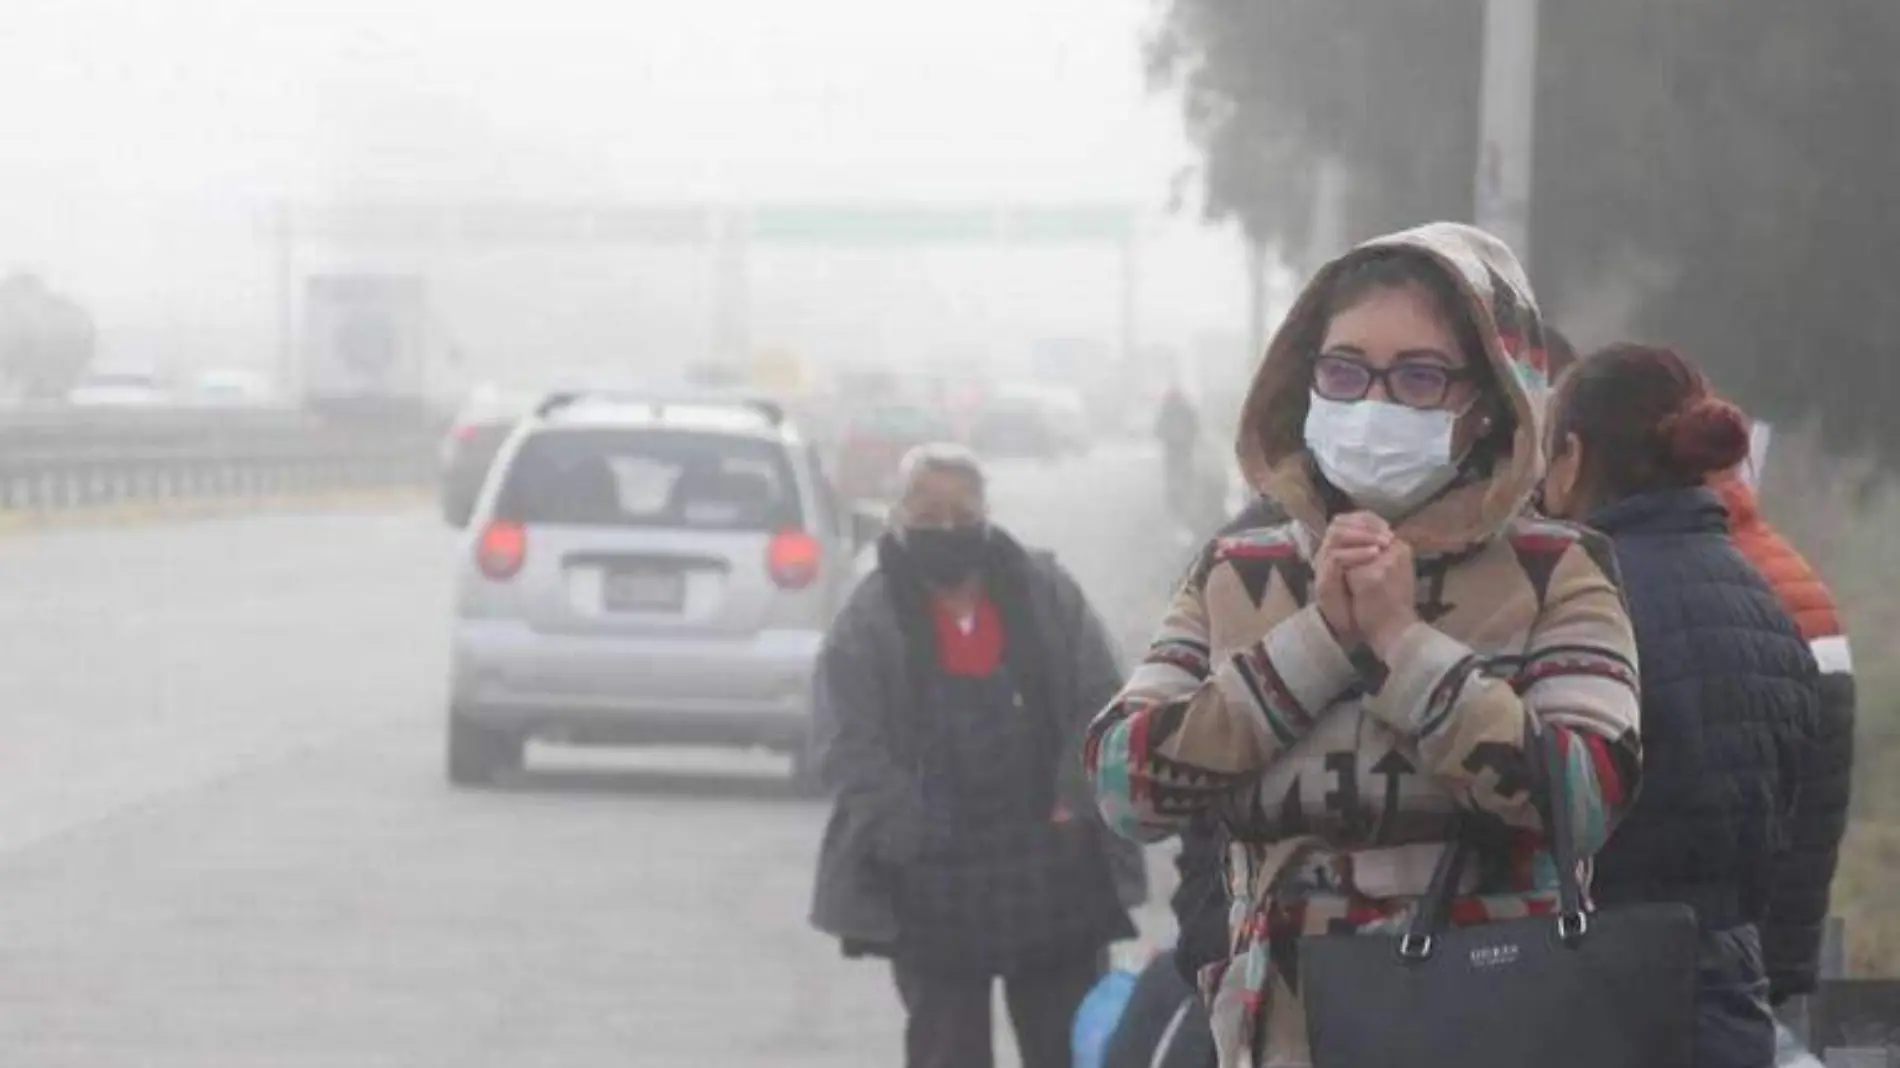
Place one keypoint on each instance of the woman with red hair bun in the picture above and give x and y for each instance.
(1730, 697)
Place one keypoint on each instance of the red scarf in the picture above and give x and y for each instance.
(976, 654)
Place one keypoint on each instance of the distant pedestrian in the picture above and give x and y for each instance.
(949, 703)
(1178, 429)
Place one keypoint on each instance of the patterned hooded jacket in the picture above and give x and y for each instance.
(1338, 777)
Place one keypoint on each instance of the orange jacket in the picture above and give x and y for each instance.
(1802, 592)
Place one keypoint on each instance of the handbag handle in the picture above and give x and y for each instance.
(1433, 913)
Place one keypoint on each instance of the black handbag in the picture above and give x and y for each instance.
(1607, 989)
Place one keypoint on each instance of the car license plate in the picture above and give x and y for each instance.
(644, 591)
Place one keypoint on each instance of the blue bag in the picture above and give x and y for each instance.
(1096, 1019)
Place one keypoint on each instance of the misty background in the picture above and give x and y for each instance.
(224, 834)
(153, 142)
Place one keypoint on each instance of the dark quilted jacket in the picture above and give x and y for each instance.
(1730, 706)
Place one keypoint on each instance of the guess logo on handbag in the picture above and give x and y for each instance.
(1498, 956)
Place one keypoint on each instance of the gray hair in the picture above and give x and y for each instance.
(937, 456)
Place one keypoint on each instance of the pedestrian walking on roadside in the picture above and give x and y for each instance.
(1336, 689)
(949, 703)
(1178, 429)
(1730, 695)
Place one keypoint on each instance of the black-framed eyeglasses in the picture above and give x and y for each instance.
(1413, 383)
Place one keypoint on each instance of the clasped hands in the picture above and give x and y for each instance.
(1365, 584)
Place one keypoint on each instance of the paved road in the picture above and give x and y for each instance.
(224, 838)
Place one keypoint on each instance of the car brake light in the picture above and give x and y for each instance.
(502, 550)
(793, 558)
(463, 432)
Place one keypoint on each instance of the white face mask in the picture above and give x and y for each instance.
(1388, 458)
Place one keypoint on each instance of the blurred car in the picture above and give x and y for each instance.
(646, 572)
(469, 448)
(872, 441)
(1069, 420)
(1032, 423)
(127, 388)
(230, 387)
(1015, 427)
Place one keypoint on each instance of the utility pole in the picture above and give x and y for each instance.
(1507, 120)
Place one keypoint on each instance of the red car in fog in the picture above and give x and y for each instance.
(874, 439)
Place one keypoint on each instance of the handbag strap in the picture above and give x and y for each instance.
(1432, 915)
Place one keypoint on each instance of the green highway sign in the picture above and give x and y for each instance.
(1071, 225)
(821, 225)
(925, 225)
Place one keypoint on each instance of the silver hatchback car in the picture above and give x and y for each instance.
(645, 572)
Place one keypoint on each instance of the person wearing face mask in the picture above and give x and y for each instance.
(1337, 689)
(1731, 693)
(948, 706)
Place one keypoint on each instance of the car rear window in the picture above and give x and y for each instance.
(648, 478)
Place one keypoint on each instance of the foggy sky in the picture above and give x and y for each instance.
(143, 135)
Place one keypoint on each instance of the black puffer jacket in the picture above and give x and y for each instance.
(1730, 705)
(1804, 878)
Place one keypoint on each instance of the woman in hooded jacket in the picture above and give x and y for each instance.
(1336, 689)
(1731, 694)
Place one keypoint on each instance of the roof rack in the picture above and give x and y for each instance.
(765, 407)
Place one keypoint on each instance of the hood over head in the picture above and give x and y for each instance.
(1476, 507)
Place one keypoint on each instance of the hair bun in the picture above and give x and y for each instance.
(1709, 435)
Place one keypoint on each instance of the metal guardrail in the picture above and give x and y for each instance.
(66, 462)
